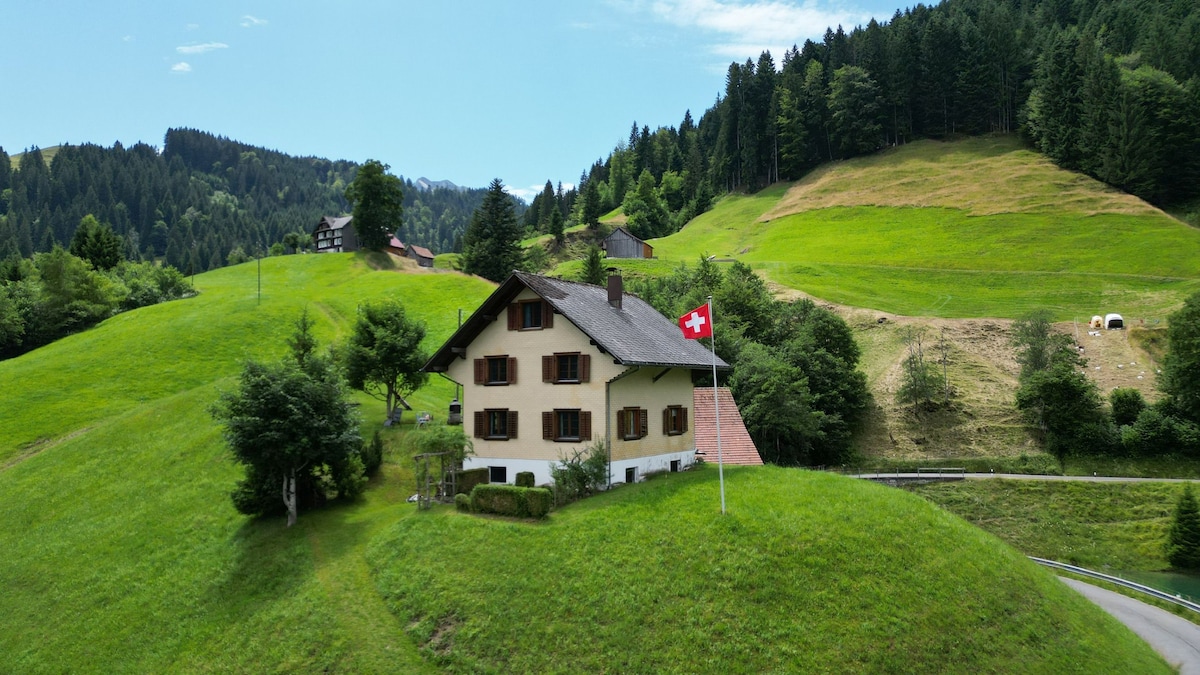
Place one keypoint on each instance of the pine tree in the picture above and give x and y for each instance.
(491, 246)
(593, 268)
(1183, 540)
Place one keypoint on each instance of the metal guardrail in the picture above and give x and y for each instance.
(942, 471)
(1119, 582)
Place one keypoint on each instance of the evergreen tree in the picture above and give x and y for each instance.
(378, 204)
(1180, 379)
(1183, 539)
(591, 203)
(491, 245)
(593, 267)
(646, 212)
(96, 243)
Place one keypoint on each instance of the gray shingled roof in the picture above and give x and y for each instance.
(635, 335)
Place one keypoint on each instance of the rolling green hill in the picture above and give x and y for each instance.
(123, 552)
(975, 228)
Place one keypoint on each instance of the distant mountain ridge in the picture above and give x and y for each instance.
(424, 183)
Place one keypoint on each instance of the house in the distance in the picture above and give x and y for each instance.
(395, 247)
(422, 255)
(551, 366)
(622, 244)
(335, 235)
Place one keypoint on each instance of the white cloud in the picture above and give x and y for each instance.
(744, 28)
(527, 194)
(193, 26)
(250, 21)
(181, 67)
(127, 38)
(201, 48)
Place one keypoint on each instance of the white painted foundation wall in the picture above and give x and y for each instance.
(541, 468)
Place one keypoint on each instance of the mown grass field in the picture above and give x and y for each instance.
(1103, 526)
(123, 552)
(976, 228)
(804, 574)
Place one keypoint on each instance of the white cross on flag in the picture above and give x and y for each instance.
(696, 323)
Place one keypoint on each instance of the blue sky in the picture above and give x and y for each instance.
(464, 91)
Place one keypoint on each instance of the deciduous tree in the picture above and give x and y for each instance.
(378, 204)
(384, 357)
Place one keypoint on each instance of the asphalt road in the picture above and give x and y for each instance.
(1175, 638)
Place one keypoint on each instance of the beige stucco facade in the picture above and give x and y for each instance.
(610, 388)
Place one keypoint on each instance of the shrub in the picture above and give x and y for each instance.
(580, 474)
(372, 455)
(510, 500)
(525, 479)
(462, 502)
(1157, 432)
(467, 480)
(1183, 540)
(1127, 403)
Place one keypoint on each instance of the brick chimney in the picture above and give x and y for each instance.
(616, 289)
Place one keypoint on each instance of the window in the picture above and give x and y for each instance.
(496, 370)
(567, 368)
(497, 474)
(496, 424)
(567, 425)
(631, 474)
(530, 315)
(631, 423)
(674, 466)
(675, 420)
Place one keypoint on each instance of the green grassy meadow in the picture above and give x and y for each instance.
(123, 552)
(803, 575)
(867, 233)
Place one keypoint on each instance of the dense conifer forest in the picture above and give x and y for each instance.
(1107, 87)
(197, 201)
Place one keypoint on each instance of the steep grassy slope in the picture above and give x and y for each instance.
(975, 228)
(122, 551)
(805, 574)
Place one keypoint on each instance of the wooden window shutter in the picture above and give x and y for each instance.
(514, 316)
(512, 423)
(684, 413)
(512, 370)
(480, 424)
(644, 422)
(548, 368)
(585, 425)
(666, 421)
(547, 315)
(621, 424)
(585, 368)
(480, 371)
(547, 426)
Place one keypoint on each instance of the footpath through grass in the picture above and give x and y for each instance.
(808, 572)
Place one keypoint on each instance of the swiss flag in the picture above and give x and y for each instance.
(696, 323)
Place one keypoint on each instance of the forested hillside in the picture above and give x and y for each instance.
(199, 199)
(1107, 87)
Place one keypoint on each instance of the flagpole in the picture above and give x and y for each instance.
(716, 406)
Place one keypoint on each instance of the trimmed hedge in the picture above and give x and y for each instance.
(469, 478)
(510, 500)
(462, 502)
(525, 479)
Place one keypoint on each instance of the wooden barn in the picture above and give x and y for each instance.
(622, 244)
(395, 247)
(422, 255)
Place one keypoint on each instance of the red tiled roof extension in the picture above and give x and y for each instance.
(736, 445)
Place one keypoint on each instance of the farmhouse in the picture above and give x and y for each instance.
(551, 366)
(622, 244)
(422, 255)
(333, 236)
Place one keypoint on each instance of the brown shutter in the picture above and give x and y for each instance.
(547, 426)
(585, 425)
(512, 370)
(621, 424)
(645, 422)
(512, 423)
(514, 317)
(684, 413)
(666, 421)
(585, 368)
(547, 368)
(547, 315)
(480, 422)
(480, 371)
